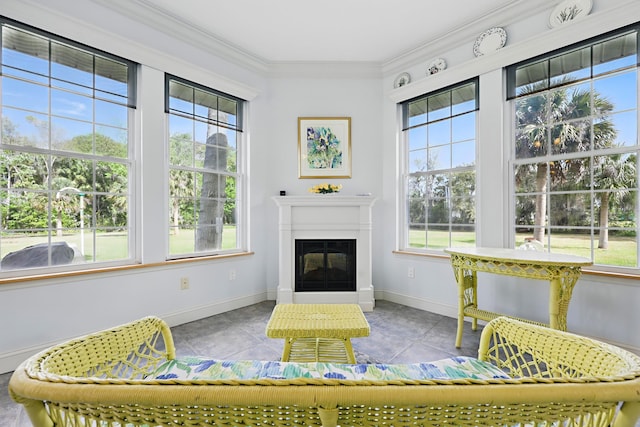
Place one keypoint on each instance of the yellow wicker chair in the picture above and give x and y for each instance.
(559, 379)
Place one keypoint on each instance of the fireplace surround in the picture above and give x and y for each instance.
(325, 217)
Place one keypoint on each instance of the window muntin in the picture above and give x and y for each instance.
(439, 187)
(205, 133)
(65, 156)
(576, 150)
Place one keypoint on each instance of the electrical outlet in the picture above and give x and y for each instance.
(184, 283)
(411, 273)
(232, 274)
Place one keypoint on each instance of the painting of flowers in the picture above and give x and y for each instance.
(324, 147)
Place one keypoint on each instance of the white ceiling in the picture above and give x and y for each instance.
(327, 30)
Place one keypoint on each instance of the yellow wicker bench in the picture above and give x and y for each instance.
(557, 379)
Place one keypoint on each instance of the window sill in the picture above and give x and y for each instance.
(118, 268)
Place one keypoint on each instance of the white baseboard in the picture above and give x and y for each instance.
(197, 313)
(421, 304)
(10, 361)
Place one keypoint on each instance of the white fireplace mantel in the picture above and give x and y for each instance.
(325, 216)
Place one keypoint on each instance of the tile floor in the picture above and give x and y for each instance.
(399, 334)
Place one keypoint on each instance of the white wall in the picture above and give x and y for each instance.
(39, 313)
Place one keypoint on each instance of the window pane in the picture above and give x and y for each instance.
(463, 154)
(463, 184)
(440, 157)
(463, 210)
(416, 112)
(532, 77)
(608, 89)
(24, 95)
(417, 237)
(570, 66)
(531, 141)
(463, 127)
(440, 133)
(180, 127)
(417, 137)
(463, 99)
(526, 210)
(570, 174)
(71, 105)
(417, 211)
(571, 137)
(25, 128)
(25, 50)
(463, 237)
(438, 211)
(623, 126)
(71, 65)
(438, 237)
(620, 52)
(71, 135)
(111, 78)
(570, 241)
(439, 106)
(570, 210)
(418, 161)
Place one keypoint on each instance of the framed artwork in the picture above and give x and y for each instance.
(324, 147)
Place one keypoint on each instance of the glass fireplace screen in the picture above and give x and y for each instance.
(325, 265)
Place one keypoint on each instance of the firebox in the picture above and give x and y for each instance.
(325, 265)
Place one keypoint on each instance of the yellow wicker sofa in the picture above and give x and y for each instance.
(557, 379)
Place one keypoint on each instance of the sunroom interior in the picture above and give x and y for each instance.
(284, 77)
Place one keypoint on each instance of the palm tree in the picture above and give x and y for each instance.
(615, 175)
(558, 122)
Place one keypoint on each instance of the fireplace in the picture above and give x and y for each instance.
(325, 265)
(334, 220)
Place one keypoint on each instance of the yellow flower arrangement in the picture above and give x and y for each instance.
(325, 188)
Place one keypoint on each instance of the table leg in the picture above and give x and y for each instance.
(559, 298)
(460, 279)
(474, 297)
(351, 357)
(286, 351)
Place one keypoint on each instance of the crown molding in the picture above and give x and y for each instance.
(162, 20)
(468, 32)
(587, 27)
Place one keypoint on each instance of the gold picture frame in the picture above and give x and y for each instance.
(324, 147)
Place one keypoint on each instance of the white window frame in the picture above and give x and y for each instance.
(403, 198)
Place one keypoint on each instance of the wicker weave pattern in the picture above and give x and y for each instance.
(317, 321)
(561, 274)
(570, 380)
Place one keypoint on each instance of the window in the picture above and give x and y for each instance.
(65, 197)
(205, 180)
(439, 133)
(575, 151)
